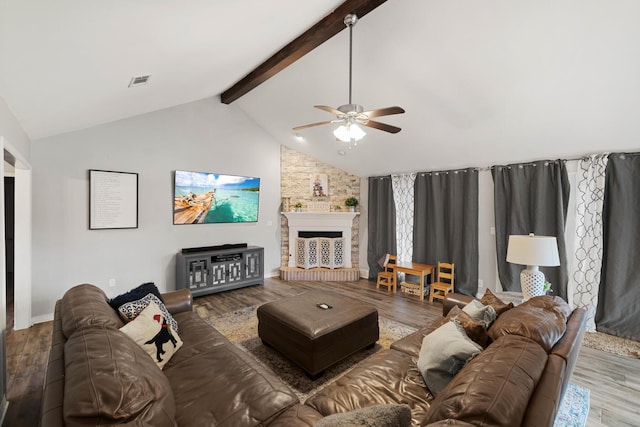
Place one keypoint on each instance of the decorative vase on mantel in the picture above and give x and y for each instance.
(352, 208)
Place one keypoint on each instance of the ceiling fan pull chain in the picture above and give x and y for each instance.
(351, 22)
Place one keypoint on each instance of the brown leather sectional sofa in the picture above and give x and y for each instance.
(518, 380)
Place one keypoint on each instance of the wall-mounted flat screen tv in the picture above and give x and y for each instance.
(204, 198)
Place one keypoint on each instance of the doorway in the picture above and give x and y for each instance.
(9, 221)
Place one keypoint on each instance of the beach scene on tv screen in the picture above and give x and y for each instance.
(202, 198)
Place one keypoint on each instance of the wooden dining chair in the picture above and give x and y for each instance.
(444, 285)
(387, 277)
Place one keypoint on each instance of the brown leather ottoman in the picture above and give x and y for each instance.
(315, 338)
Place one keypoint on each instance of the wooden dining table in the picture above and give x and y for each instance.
(414, 269)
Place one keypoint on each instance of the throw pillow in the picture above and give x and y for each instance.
(443, 353)
(480, 312)
(371, 416)
(151, 331)
(489, 298)
(130, 310)
(477, 331)
(135, 294)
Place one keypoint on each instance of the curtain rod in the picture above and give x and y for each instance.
(488, 168)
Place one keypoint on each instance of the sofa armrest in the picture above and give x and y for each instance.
(453, 299)
(568, 347)
(178, 301)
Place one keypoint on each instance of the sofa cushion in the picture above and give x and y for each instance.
(135, 294)
(216, 383)
(551, 303)
(543, 326)
(109, 379)
(130, 310)
(480, 312)
(411, 343)
(152, 332)
(387, 376)
(444, 352)
(494, 388)
(489, 298)
(372, 416)
(87, 305)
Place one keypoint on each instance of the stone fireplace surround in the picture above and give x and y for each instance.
(320, 221)
(341, 222)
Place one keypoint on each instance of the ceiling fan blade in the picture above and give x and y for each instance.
(326, 122)
(384, 111)
(381, 126)
(329, 110)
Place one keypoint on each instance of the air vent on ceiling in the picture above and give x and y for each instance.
(139, 81)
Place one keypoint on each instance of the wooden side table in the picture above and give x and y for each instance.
(416, 269)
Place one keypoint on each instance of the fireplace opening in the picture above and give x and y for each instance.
(310, 234)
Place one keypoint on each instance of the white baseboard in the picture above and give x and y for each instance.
(42, 318)
(273, 273)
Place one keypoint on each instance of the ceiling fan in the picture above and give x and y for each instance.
(351, 115)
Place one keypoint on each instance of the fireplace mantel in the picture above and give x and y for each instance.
(320, 221)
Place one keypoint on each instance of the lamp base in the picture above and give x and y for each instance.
(532, 283)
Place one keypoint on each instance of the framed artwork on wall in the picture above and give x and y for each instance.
(113, 199)
(319, 185)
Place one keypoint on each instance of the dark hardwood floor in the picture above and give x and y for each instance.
(614, 381)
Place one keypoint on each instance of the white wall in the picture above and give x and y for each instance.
(12, 132)
(200, 136)
(487, 267)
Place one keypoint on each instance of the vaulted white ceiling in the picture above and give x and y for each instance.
(482, 83)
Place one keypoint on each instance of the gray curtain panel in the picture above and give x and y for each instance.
(531, 198)
(619, 295)
(382, 223)
(445, 224)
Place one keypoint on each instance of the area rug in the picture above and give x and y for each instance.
(574, 407)
(612, 344)
(241, 328)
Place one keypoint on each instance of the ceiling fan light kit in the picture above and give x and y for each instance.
(349, 133)
(351, 116)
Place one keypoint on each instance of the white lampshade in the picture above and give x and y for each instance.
(352, 132)
(533, 250)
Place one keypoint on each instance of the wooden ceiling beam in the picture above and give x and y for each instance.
(326, 28)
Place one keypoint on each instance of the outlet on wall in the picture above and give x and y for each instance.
(480, 284)
(112, 283)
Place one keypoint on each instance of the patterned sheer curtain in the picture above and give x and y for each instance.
(403, 197)
(584, 280)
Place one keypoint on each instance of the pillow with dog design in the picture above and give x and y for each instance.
(152, 331)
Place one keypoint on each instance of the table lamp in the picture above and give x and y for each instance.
(533, 251)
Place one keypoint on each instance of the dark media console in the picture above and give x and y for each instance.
(212, 269)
